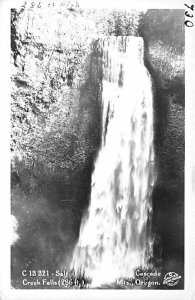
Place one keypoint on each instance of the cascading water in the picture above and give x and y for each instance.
(115, 235)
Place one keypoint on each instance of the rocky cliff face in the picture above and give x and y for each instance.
(163, 31)
(54, 65)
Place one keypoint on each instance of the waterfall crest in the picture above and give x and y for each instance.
(115, 234)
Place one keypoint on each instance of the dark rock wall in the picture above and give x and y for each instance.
(163, 33)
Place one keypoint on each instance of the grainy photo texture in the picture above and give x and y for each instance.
(97, 147)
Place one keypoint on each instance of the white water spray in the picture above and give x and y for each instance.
(14, 227)
(115, 235)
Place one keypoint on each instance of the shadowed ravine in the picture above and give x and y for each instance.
(115, 234)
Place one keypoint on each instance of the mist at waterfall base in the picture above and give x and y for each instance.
(115, 234)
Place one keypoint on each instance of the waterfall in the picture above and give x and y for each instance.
(115, 234)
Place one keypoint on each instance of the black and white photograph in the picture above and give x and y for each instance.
(97, 119)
